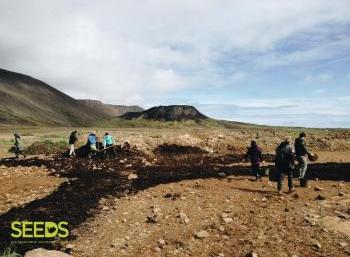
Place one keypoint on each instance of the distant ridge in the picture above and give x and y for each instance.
(167, 113)
(110, 109)
(28, 101)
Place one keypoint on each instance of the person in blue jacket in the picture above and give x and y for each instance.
(91, 142)
(108, 144)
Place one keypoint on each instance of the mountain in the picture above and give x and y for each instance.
(167, 113)
(110, 109)
(27, 101)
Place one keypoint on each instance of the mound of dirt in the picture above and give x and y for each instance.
(84, 150)
(167, 113)
(178, 149)
(47, 147)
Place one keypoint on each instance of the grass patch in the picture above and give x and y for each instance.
(8, 252)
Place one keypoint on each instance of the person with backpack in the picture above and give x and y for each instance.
(108, 145)
(91, 142)
(73, 138)
(254, 153)
(301, 153)
(18, 146)
(285, 164)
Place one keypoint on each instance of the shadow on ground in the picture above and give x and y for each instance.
(77, 200)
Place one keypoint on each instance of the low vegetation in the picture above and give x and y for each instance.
(8, 252)
(47, 147)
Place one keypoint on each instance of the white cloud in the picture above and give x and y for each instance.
(309, 112)
(127, 51)
(322, 77)
(166, 80)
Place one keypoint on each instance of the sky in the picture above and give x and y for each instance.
(265, 61)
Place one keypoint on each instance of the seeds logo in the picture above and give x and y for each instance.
(39, 229)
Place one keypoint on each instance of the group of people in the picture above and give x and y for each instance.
(284, 162)
(93, 144)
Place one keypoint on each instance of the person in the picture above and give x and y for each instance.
(91, 142)
(254, 152)
(301, 153)
(108, 143)
(285, 164)
(73, 138)
(18, 145)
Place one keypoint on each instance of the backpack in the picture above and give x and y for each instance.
(283, 158)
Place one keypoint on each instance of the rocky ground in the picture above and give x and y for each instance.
(178, 202)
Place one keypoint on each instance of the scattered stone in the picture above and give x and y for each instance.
(317, 188)
(320, 197)
(40, 252)
(222, 174)
(342, 215)
(119, 242)
(152, 219)
(224, 215)
(201, 234)
(70, 246)
(105, 208)
(343, 244)
(221, 229)
(310, 221)
(161, 243)
(227, 220)
(316, 244)
(340, 194)
(252, 254)
(132, 176)
(172, 196)
(183, 218)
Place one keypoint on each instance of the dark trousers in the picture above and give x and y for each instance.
(257, 171)
(280, 175)
(18, 152)
(110, 152)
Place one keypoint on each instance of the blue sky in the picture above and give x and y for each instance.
(267, 62)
